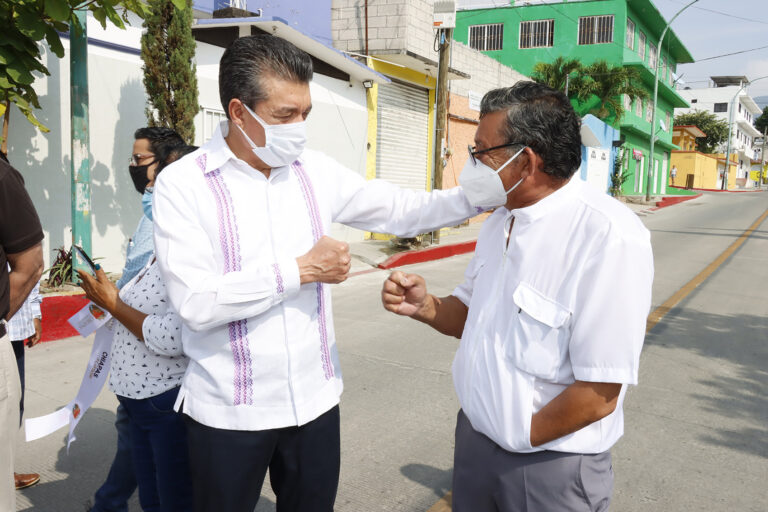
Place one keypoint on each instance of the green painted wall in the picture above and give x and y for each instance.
(635, 130)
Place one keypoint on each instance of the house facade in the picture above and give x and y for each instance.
(728, 100)
(621, 32)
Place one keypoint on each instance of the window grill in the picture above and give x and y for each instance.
(641, 46)
(630, 34)
(652, 56)
(486, 37)
(596, 29)
(537, 34)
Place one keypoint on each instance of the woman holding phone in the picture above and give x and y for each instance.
(146, 371)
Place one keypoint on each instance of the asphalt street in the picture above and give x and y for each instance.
(696, 426)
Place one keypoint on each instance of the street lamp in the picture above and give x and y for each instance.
(724, 185)
(649, 178)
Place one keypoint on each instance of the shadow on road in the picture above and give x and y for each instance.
(439, 480)
(736, 394)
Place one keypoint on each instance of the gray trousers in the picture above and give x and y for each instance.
(487, 478)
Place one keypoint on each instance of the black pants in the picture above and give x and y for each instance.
(228, 466)
(18, 350)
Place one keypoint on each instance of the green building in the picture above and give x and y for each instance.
(621, 32)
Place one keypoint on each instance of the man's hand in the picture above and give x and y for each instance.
(328, 262)
(406, 294)
(35, 338)
(100, 290)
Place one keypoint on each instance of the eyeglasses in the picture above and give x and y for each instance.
(473, 152)
(136, 158)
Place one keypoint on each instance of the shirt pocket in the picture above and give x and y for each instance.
(539, 334)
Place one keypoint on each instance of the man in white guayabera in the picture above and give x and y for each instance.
(240, 236)
(551, 315)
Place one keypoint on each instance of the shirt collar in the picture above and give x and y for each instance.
(549, 203)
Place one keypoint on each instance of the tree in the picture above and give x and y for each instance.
(596, 89)
(715, 128)
(609, 83)
(559, 72)
(761, 123)
(168, 51)
(25, 23)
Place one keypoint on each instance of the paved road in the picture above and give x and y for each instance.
(697, 426)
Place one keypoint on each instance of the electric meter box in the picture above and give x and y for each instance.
(444, 14)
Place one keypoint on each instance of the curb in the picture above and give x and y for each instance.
(719, 190)
(672, 200)
(428, 254)
(56, 310)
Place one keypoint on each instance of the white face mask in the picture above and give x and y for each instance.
(283, 142)
(483, 186)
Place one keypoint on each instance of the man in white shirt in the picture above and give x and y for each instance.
(240, 237)
(551, 315)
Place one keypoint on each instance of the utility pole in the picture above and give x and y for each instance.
(81, 169)
(651, 167)
(445, 36)
(762, 157)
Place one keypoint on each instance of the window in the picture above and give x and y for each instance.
(639, 108)
(739, 108)
(486, 37)
(649, 111)
(630, 34)
(721, 107)
(627, 103)
(652, 56)
(663, 70)
(641, 46)
(694, 100)
(211, 119)
(669, 121)
(537, 34)
(596, 29)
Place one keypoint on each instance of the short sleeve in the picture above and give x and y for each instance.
(25, 231)
(612, 305)
(463, 292)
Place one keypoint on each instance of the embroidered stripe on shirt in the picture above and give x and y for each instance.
(317, 232)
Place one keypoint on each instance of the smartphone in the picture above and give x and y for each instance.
(81, 260)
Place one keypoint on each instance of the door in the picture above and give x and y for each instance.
(597, 168)
(663, 178)
(402, 136)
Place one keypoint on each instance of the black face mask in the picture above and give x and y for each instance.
(139, 176)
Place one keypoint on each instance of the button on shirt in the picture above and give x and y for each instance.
(261, 346)
(567, 299)
(142, 369)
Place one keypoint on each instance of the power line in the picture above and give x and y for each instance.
(724, 13)
(733, 53)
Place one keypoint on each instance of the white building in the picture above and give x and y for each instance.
(728, 99)
(337, 126)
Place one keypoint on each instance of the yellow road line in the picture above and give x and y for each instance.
(661, 311)
(444, 504)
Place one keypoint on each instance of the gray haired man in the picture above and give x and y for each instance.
(241, 238)
(551, 315)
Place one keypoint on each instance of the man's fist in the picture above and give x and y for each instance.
(328, 262)
(405, 294)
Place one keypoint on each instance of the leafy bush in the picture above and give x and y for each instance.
(61, 270)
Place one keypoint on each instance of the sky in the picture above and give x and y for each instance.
(707, 34)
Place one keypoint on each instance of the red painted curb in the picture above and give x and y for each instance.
(56, 311)
(717, 190)
(428, 254)
(669, 201)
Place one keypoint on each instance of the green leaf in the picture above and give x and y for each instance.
(180, 4)
(30, 24)
(101, 15)
(57, 9)
(54, 42)
(32, 119)
(4, 83)
(19, 74)
(114, 17)
(6, 55)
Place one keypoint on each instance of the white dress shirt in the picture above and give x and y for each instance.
(566, 300)
(261, 346)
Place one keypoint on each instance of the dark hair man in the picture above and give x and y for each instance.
(152, 147)
(551, 315)
(240, 236)
(21, 249)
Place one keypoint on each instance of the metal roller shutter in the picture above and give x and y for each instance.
(402, 135)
